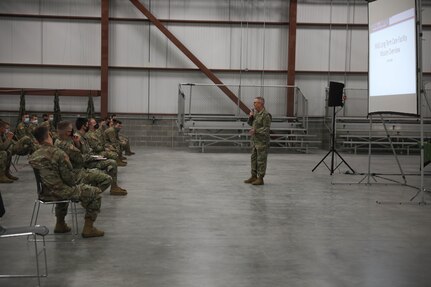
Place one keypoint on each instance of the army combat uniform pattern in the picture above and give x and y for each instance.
(92, 176)
(57, 176)
(96, 142)
(261, 123)
(8, 148)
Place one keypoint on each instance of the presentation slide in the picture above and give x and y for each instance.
(392, 57)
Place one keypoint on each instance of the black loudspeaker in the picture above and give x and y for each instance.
(335, 98)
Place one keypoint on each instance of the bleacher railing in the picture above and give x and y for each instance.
(207, 100)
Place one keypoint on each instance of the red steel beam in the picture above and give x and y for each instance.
(49, 92)
(291, 58)
(104, 61)
(190, 55)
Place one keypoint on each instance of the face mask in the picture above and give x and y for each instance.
(6, 131)
(34, 122)
(51, 118)
(96, 126)
(26, 120)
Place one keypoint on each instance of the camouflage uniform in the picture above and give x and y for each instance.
(93, 176)
(8, 148)
(108, 165)
(23, 129)
(51, 128)
(111, 137)
(57, 176)
(125, 144)
(97, 144)
(4, 161)
(261, 123)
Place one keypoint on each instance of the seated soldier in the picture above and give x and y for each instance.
(91, 161)
(97, 143)
(124, 141)
(22, 129)
(59, 183)
(111, 137)
(34, 123)
(48, 122)
(93, 176)
(10, 147)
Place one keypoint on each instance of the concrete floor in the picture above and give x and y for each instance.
(190, 221)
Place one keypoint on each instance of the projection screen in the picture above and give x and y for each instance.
(392, 66)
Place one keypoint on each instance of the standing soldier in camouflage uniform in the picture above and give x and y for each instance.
(92, 177)
(10, 147)
(92, 160)
(260, 120)
(59, 183)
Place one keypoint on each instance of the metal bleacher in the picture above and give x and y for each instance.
(208, 131)
(217, 133)
(353, 134)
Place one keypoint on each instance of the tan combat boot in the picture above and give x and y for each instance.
(251, 179)
(121, 163)
(90, 231)
(4, 178)
(116, 190)
(61, 226)
(128, 151)
(258, 181)
(10, 176)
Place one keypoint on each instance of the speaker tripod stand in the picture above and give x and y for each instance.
(333, 151)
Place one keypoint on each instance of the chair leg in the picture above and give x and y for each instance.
(32, 215)
(44, 255)
(37, 213)
(74, 218)
(37, 259)
(36, 206)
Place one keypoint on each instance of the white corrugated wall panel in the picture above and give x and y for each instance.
(313, 88)
(359, 51)
(341, 12)
(128, 44)
(19, 6)
(164, 89)
(128, 91)
(74, 43)
(49, 78)
(209, 43)
(125, 9)
(70, 7)
(312, 49)
(21, 40)
(426, 13)
(52, 7)
(159, 48)
(426, 51)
